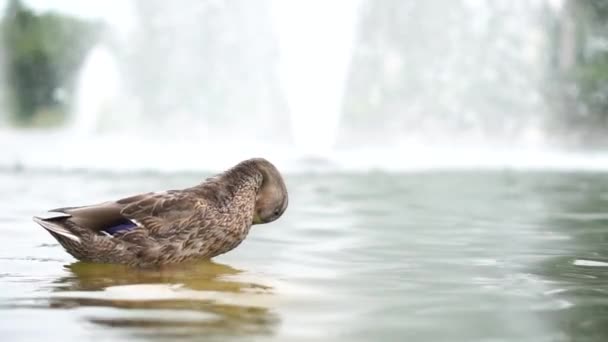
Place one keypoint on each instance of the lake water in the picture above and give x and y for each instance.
(428, 256)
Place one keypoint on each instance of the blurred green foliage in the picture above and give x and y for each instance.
(580, 97)
(43, 52)
(592, 70)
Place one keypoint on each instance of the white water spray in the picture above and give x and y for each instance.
(206, 84)
(98, 90)
(315, 40)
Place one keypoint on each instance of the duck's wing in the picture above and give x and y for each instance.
(95, 217)
(163, 212)
(153, 212)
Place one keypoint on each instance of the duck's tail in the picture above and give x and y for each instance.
(84, 243)
(71, 237)
(55, 223)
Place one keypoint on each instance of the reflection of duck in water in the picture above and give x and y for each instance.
(195, 298)
(200, 222)
(203, 275)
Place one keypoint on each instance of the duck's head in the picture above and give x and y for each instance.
(271, 199)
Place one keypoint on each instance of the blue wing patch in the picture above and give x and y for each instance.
(126, 226)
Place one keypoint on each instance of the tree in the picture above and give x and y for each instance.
(580, 92)
(43, 52)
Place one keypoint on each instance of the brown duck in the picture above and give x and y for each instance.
(173, 226)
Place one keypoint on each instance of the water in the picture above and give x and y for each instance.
(449, 73)
(98, 88)
(424, 256)
(359, 76)
(172, 67)
(206, 84)
(313, 65)
(194, 71)
(426, 203)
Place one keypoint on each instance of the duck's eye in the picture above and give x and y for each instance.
(276, 212)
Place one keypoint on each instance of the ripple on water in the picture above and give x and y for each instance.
(590, 263)
(424, 257)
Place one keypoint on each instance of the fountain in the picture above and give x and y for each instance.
(204, 70)
(458, 73)
(315, 40)
(285, 78)
(97, 91)
(186, 87)
(362, 85)
(282, 72)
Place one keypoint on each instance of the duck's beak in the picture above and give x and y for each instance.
(257, 219)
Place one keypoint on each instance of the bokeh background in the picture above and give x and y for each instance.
(356, 84)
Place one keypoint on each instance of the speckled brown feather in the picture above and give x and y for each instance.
(199, 222)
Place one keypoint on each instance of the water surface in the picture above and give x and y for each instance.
(429, 256)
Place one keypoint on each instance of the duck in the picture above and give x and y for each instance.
(174, 226)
